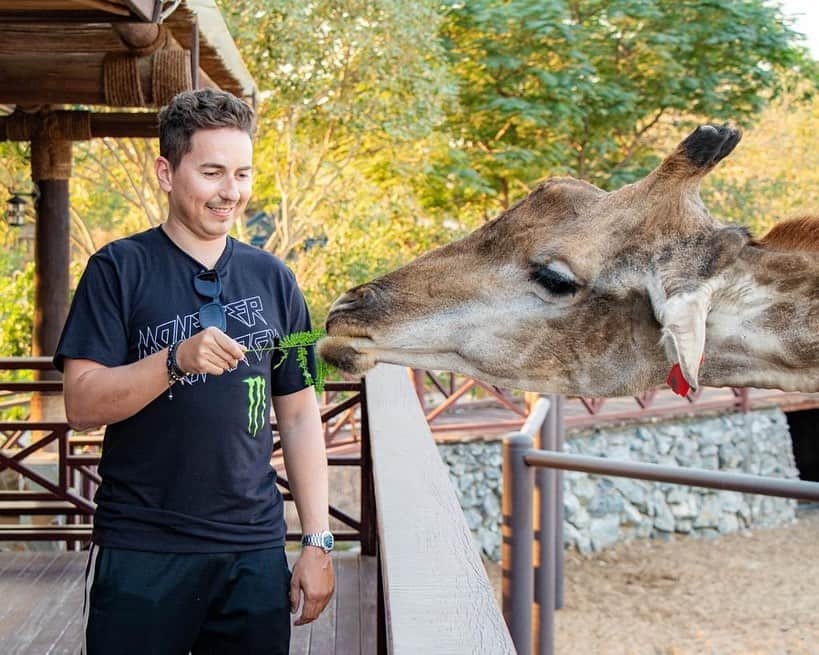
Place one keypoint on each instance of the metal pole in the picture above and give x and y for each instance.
(516, 549)
(560, 433)
(755, 484)
(195, 53)
(545, 531)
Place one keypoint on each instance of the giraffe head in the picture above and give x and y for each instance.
(581, 291)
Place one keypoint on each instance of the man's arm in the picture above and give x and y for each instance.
(98, 395)
(299, 421)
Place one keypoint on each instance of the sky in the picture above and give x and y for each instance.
(806, 17)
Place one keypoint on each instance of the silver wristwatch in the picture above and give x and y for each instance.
(323, 540)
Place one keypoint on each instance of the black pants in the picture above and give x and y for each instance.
(147, 603)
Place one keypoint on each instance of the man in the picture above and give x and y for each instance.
(170, 343)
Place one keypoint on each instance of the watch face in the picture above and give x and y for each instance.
(327, 541)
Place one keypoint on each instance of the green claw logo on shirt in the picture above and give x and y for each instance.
(256, 403)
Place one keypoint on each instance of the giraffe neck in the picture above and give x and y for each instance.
(763, 328)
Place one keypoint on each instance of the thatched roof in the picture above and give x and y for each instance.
(218, 54)
(114, 53)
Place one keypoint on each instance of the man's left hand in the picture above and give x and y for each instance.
(313, 578)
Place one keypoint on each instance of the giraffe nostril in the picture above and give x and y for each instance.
(355, 299)
(345, 302)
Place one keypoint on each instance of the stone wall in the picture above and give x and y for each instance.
(602, 511)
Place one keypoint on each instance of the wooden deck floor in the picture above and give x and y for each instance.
(41, 606)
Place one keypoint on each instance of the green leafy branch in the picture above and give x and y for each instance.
(300, 342)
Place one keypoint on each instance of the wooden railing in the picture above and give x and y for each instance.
(457, 403)
(65, 494)
(434, 594)
(437, 596)
(46, 495)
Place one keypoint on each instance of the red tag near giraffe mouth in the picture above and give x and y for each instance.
(676, 380)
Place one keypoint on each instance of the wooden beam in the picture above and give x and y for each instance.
(123, 125)
(64, 10)
(45, 79)
(109, 6)
(114, 124)
(62, 39)
(63, 17)
(69, 79)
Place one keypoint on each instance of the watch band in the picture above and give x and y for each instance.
(323, 540)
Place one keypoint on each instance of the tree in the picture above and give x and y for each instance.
(774, 172)
(581, 87)
(350, 92)
(387, 127)
(17, 312)
(114, 192)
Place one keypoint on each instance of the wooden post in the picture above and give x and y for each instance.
(418, 377)
(50, 170)
(369, 518)
(52, 258)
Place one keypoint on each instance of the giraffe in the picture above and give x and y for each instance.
(579, 291)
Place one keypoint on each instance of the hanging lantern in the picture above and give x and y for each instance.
(16, 210)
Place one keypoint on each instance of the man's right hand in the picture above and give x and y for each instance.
(210, 351)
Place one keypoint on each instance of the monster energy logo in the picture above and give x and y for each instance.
(256, 403)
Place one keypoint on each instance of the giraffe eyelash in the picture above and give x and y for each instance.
(553, 281)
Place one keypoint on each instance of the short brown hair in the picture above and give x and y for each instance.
(202, 109)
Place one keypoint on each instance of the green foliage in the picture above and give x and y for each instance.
(300, 342)
(114, 192)
(16, 310)
(352, 94)
(774, 172)
(580, 88)
(387, 127)
(16, 321)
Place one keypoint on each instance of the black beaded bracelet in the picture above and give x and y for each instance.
(175, 374)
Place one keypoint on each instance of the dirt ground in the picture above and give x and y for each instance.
(751, 593)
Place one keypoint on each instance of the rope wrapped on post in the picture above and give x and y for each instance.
(51, 139)
(121, 80)
(20, 125)
(171, 75)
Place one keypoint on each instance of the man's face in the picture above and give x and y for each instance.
(211, 185)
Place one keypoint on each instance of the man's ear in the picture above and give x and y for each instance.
(164, 173)
(683, 315)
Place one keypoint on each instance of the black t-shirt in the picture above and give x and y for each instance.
(192, 473)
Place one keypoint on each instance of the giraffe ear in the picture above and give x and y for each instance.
(682, 316)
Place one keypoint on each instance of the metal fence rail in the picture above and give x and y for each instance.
(530, 597)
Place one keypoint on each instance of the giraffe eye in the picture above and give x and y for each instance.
(554, 278)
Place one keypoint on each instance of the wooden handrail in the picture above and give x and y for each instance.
(77, 475)
(438, 598)
(26, 363)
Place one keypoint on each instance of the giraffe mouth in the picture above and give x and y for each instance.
(347, 353)
(357, 355)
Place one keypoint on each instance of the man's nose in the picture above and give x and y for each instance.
(230, 190)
